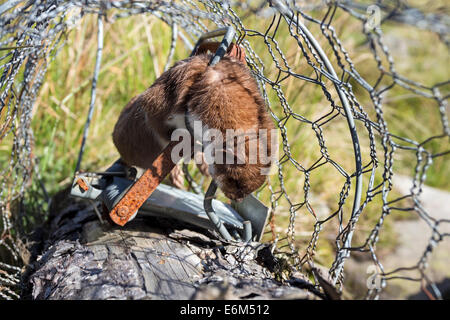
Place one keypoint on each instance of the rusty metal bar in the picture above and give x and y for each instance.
(139, 192)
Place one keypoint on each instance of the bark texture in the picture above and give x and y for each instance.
(82, 258)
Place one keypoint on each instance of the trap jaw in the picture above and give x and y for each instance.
(123, 197)
(110, 187)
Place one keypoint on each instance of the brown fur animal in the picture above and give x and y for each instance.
(224, 96)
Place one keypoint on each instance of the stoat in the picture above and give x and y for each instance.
(224, 96)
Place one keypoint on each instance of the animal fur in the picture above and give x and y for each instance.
(224, 96)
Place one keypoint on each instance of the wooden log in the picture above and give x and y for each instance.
(149, 258)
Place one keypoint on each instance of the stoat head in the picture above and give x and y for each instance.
(240, 183)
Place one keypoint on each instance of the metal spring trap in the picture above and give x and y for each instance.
(125, 191)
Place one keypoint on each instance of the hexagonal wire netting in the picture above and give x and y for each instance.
(347, 134)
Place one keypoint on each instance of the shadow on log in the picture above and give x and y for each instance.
(149, 258)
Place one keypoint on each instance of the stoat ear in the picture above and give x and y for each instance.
(210, 46)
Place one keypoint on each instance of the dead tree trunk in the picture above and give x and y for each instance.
(149, 259)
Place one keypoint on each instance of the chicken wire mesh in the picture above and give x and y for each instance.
(347, 133)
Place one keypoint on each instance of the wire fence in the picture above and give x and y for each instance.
(298, 50)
